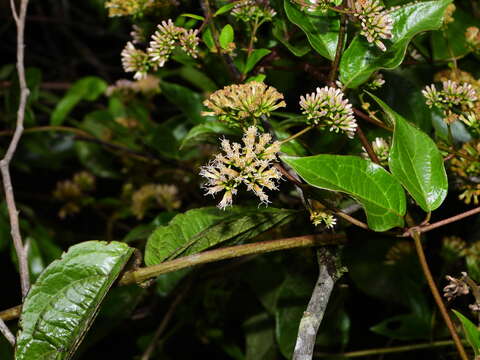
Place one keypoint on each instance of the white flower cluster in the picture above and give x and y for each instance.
(251, 10)
(453, 99)
(327, 107)
(167, 37)
(322, 217)
(375, 21)
(250, 164)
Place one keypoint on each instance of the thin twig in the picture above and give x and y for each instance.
(365, 117)
(387, 350)
(436, 294)
(164, 323)
(313, 316)
(338, 53)
(7, 333)
(366, 145)
(5, 162)
(424, 229)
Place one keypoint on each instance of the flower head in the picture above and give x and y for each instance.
(160, 195)
(466, 168)
(327, 107)
(322, 217)
(472, 36)
(251, 10)
(135, 60)
(242, 105)
(250, 164)
(314, 5)
(375, 21)
(381, 148)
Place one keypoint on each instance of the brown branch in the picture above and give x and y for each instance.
(365, 117)
(436, 295)
(7, 333)
(20, 249)
(424, 229)
(366, 145)
(338, 53)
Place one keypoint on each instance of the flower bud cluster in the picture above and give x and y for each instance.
(472, 36)
(147, 86)
(455, 99)
(133, 7)
(154, 195)
(322, 217)
(163, 42)
(375, 21)
(253, 10)
(74, 193)
(399, 251)
(243, 105)
(466, 168)
(381, 148)
(250, 165)
(327, 107)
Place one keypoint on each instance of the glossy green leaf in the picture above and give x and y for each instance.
(254, 58)
(380, 194)
(297, 47)
(61, 306)
(472, 334)
(200, 229)
(362, 58)
(226, 36)
(88, 88)
(416, 162)
(321, 29)
(193, 16)
(225, 8)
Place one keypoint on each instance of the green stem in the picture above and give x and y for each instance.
(294, 136)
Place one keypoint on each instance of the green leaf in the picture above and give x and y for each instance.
(225, 8)
(321, 30)
(197, 78)
(378, 191)
(209, 132)
(186, 100)
(61, 306)
(193, 16)
(416, 162)
(472, 334)
(254, 58)
(200, 229)
(298, 47)
(404, 327)
(226, 36)
(362, 58)
(260, 338)
(89, 88)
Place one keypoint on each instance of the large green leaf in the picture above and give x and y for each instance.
(321, 29)
(380, 194)
(200, 229)
(89, 88)
(186, 100)
(61, 306)
(416, 162)
(472, 334)
(362, 58)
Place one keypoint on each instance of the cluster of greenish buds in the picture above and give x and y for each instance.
(163, 42)
(153, 196)
(472, 37)
(398, 252)
(245, 104)
(149, 85)
(318, 217)
(315, 5)
(375, 21)
(466, 168)
(133, 7)
(73, 193)
(381, 148)
(253, 10)
(448, 16)
(328, 108)
(454, 99)
(250, 164)
(376, 82)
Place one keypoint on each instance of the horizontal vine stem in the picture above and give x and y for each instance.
(142, 274)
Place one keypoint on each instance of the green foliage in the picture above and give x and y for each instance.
(472, 334)
(62, 305)
(380, 194)
(416, 162)
(361, 59)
